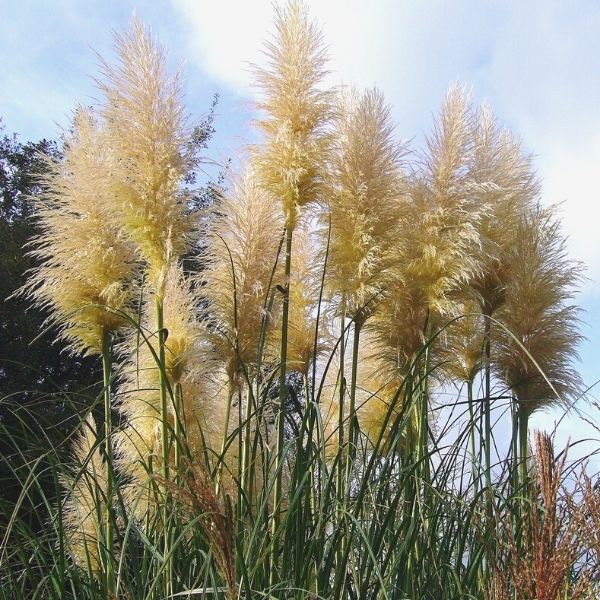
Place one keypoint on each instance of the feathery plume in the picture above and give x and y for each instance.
(84, 279)
(398, 328)
(83, 510)
(439, 232)
(146, 134)
(461, 352)
(188, 364)
(539, 315)
(504, 188)
(440, 235)
(304, 298)
(290, 159)
(364, 197)
(377, 393)
(242, 246)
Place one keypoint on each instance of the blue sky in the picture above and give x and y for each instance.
(537, 62)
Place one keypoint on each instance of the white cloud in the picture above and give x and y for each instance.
(223, 37)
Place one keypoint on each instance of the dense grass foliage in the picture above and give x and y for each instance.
(318, 409)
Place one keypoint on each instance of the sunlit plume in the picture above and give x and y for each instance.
(365, 200)
(146, 134)
(442, 232)
(242, 248)
(378, 392)
(398, 329)
(84, 279)
(535, 356)
(295, 109)
(440, 238)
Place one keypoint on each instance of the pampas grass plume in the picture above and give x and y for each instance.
(86, 269)
(242, 246)
(504, 189)
(462, 349)
(146, 133)
(365, 201)
(442, 232)
(289, 162)
(542, 322)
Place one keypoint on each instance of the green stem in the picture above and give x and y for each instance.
(515, 445)
(164, 413)
(424, 410)
(164, 418)
(106, 372)
(221, 458)
(342, 380)
(282, 399)
(524, 508)
(487, 433)
(487, 409)
(179, 430)
(352, 407)
(523, 415)
(246, 448)
(341, 440)
(311, 467)
(474, 467)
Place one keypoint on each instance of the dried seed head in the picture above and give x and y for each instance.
(86, 269)
(289, 161)
(365, 201)
(377, 393)
(146, 134)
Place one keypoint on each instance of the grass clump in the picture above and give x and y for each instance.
(276, 423)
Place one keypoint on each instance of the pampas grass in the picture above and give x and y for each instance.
(365, 202)
(296, 111)
(254, 456)
(505, 188)
(86, 500)
(84, 279)
(242, 245)
(540, 334)
(540, 326)
(147, 134)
